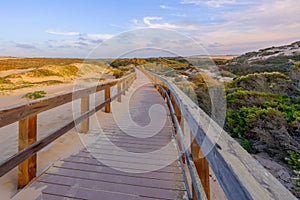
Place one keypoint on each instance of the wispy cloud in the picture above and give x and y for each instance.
(215, 3)
(269, 22)
(25, 46)
(88, 35)
(100, 36)
(179, 14)
(166, 7)
(153, 22)
(63, 33)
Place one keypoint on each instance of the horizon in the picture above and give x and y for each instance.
(71, 30)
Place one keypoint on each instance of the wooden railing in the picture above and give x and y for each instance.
(26, 115)
(238, 173)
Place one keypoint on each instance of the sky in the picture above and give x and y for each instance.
(73, 28)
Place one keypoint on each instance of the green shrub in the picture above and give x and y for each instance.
(294, 164)
(35, 95)
(247, 145)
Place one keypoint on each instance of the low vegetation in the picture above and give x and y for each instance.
(35, 95)
(294, 163)
(39, 72)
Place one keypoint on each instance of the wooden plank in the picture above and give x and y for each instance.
(27, 136)
(119, 88)
(155, 193)
(123, 88)
(202, 167)
(23, 175)
(107, 97)
(159, 175)
(85, 106)
(128, 180)
(126, 85)
(32, 138)
(82, 193)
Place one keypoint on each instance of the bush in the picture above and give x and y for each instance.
(35, 95)
(294, 164)
(247, 145)
(118, 73)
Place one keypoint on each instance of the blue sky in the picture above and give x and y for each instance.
(62, 28)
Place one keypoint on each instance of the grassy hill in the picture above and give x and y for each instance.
(271, 59)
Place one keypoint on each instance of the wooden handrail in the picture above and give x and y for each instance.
(28, 146)
(199, 191)
(238, 173)
(17, 112)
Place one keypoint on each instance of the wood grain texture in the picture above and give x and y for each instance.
(27, 136)
(106, 97)
(202, 167)
(85, 106)
(119, 89)
(23, 176)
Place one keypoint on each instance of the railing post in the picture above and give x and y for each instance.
(106, 97)
(126, 84)
(119, 88)
(123, 87)
(85, 106)
(27, 136)
(202, 167)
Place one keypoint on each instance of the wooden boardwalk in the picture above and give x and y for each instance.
(120, 160)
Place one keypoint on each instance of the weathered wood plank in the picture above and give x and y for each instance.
(202, 167)
(106, 97)
(23, 170)
(32, 138)
(85, 106)
(119, 88)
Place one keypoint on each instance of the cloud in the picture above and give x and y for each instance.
(63, 33)
(135, 21)
(165, 7)
(25, 46)
(88, 35)
(148, 21)
(100, 36)
(214, 3)
(179, 14)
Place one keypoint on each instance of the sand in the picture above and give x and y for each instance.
(47, 122)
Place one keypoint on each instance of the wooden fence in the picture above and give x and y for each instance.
(26, 115)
